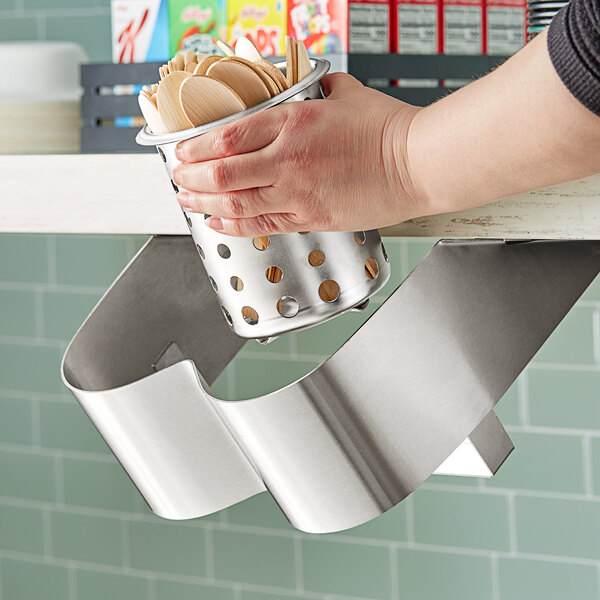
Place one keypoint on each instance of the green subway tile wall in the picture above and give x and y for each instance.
(73, 527)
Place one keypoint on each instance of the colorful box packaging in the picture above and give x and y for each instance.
(417, 26)
(417, 30)
(321, 24)
(140, 31)
(506, 24)
(370, 30)
(263, 21)
(463, 30)
(195, 24)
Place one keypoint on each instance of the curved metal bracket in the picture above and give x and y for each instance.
(409, 394)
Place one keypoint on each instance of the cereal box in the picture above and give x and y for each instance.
(417, 27)
(417, 30)
(140, 31)
(370, 26)
(194, 25)
(506, 22)
(463, 26)
(321, 24)
(263, 21)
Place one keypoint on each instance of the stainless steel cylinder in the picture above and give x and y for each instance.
(275, 284)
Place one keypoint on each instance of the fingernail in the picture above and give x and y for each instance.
(183, 198)
(179, 152)
(215, 223)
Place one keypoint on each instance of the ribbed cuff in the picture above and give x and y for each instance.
(577, 68)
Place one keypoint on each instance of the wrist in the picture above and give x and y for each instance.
(410, 195)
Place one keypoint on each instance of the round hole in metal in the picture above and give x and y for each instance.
(262, 242)
(316, 258)
(174, 186)
(274, 274)
(213, 283)
(329, 291)
(250, 315)
(224, 251)
(236, 283)
(360, 237)
(162, 154)
(371, 268)
(227, 315)
(187, 218)
(384, 253)
(200, 251)
(287, 306)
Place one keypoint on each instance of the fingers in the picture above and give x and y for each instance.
(335, 84)
(230, 205)
(246, 135)
(266, 224)
(240, 172)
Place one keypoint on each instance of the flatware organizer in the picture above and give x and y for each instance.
(271, 285)
(411, 393)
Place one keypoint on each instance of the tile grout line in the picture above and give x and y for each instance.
(51, 264)
(298, 562)
(523, 389)
(209, 548)
(36, 424)
(495, 578)
(125, 545)
(72, 582)
(47, 531)
(40, 325)
(395, 581)
(59, 480)
(410, 519)
(512, 523)
(588, 478)
(596, 335)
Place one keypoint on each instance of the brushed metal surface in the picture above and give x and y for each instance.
(411, 392)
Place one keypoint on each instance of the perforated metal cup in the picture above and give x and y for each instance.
(272, 285)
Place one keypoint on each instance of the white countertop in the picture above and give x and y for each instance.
(130, 193)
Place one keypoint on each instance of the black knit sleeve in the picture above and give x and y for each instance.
(574, 46)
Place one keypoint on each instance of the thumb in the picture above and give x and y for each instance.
(336, 84)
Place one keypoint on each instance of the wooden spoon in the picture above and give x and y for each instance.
(169, 106)
(205, 63)
(191, 66)
(274, 72)
(226, 48)
(204, 100)
(265, 77)
(150, 112)
(244, 48)
(189, 56)
(178, 62)
(304, 66)
(241, 79)
(291, 60)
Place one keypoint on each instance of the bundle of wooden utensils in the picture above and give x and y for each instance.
(196, 89)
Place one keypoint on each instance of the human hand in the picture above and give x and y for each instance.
(337, 164)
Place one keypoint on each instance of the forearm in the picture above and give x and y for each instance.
(514, 130)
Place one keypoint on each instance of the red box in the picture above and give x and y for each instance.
(417, 30)
(417, 26)
(463, 29)
(369, 23)
(321, 24)
(506, 26)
